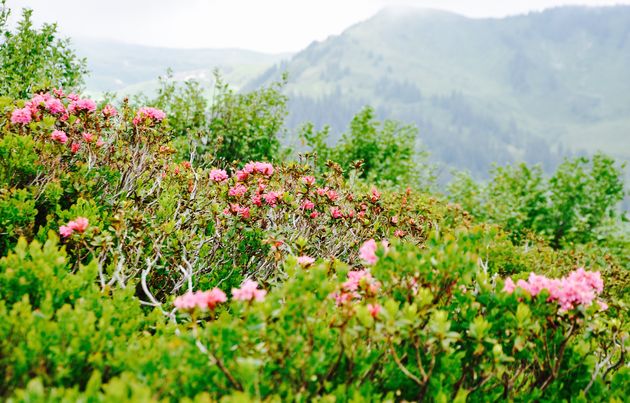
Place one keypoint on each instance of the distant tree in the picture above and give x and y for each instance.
(31, 59)
(384, 152)
(577, 205)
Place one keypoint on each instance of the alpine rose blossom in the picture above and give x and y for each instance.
(59, 136)
(22, 116)
(75, 148)
(89, 137)
(55, 106)
(335, 213)
(367, 251)
(249, 292)
(153, 114)
(271, 198)
(307, 205)
(80, 224)
(202, 300)
(237, 191)
(308, 180)
(218, 175)
(65, 231)
(305, 261)
(109, 111)
(82, 105)
(580, 287)
(374, 309)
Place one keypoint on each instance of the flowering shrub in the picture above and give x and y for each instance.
(126, 269)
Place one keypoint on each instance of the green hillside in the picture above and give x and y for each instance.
(130, 69)
(533, 87)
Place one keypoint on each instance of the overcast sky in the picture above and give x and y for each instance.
(263, 25)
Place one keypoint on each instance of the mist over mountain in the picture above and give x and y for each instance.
(130, 69)
(532, 87)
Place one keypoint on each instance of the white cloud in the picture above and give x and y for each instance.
(269, 25)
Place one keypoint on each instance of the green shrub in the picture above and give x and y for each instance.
(31, 59)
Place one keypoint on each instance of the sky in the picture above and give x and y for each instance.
(271, 26)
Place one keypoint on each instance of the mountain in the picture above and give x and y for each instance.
(532, 87)
(130, 69)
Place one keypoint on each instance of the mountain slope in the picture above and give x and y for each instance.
(531, 87)
(131, 68)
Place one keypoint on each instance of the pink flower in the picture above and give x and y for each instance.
(308, 180)
(75, 148)
(82, 105)
(305, 261)
(58, 92)
(361, 279)
(367, 252)
(65, 231)
(89, 137)
(73, 97)
(59, 136)
(218, 175)
(271, 198)
(109, 111)
(248, 292)
(201, 299)
(22, 116)
(241, 175)
(100, 142)
(335, 212)
(145, 113)
(257, 200)
(214, 297)
(237, 191)
(307, 205)
(321, 191)
(509, 286)
(332, 195)
(263, 168)
(578, 288)
(375, 195)
(314, 214)
(399, 233)
(374, 309)
(243, 212)
(80, 224)
(55, 106)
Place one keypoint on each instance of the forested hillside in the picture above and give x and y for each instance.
(532, 87)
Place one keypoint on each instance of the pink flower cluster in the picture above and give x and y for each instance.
(79, 224)
(21, 115)
(367, 251)
(236, 209)
(358, 281)
(54, 105)
(146, 112)
(252, 168)
(200, 299)
(82, 105)
(109, 111)
(218, 175)
(249, 292)
(580, 287)
(59, 136)
(237, 191)
(305, 261)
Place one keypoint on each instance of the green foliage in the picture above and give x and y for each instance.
(245, 127)
(577, 205)
(444, 331)
(32, 58)
(384, 152)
